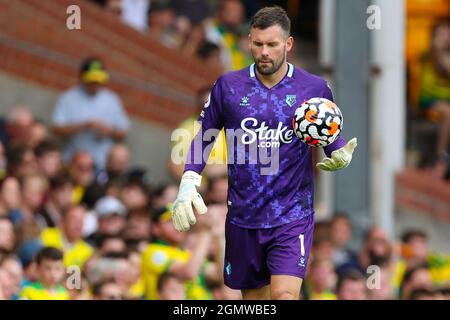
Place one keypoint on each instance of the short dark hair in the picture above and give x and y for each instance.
(49, 253)
(270, 16)
(46, 146)
(350, 275)
(61, 179)
(410, 234)
(206, 49)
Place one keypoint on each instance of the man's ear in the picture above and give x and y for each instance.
(289, 43)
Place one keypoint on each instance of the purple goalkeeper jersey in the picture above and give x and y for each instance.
(270, 170)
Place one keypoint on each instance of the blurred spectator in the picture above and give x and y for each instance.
(114, 7)
(81, 170)
(415, 247)
(138, 228)
(6, 286)
(418, 277)
(351, 286)
(111, 218)
(341, 233)
(48, 157)
(164, 195)
(224, 32)
(7, 236)
(321, 280)
(58, 201)
(170, 287)
(183, 136)
(322, 247)
(27, 252)
(109, 181)
(209, 53)
(90, 116)
(162, 23)
(386, 290)
(10, 264)
(38, 133)
(135, 195)
(117, 164)
(136, 289)
(376, 250)
(135, 13)
(34, 189)
(10, 197)
(415, 252)
(111, 244)
(17, 126)
(116, 266)
(217, 192)
(81, 292)
(68, 237)
(107, 290)
(50, 270)
(166, 254)
(193, 40)
(434, 96)
(195, 10)
(21, 160)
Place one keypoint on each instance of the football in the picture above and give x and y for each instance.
(317, 122)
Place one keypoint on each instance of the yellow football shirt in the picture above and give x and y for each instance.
(182, 142)
(36, 291)
(157, 259)
(75, 254)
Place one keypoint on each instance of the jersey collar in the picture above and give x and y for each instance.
(290, 72)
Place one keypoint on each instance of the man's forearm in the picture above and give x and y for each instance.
(68, 130)
(199, 252)
(118, 134)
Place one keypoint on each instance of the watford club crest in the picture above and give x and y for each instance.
(291, 99)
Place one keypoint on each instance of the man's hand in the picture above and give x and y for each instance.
(340, 158)
(183, 215)
(101, 129)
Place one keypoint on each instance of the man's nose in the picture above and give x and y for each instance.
(265, 51)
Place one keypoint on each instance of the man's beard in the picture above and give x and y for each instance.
(269, 68)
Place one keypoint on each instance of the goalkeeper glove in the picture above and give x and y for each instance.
(340, 158)
(183, 215)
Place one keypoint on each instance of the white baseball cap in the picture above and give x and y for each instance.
(109, 206)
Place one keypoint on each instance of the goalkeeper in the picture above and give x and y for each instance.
(270, 220)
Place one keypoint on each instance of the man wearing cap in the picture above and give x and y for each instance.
(111, 217)
(90, 116)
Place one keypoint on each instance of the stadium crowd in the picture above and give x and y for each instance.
(77, 221)
(70, 229)
(212, 31)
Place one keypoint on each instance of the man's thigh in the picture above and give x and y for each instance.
(245, 265)
(290, 247)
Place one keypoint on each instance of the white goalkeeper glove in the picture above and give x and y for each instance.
(183, 215)
(340, 158)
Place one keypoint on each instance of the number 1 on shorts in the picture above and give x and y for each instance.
(302, 244)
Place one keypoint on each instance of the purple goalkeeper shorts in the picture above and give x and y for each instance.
(253, 255)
